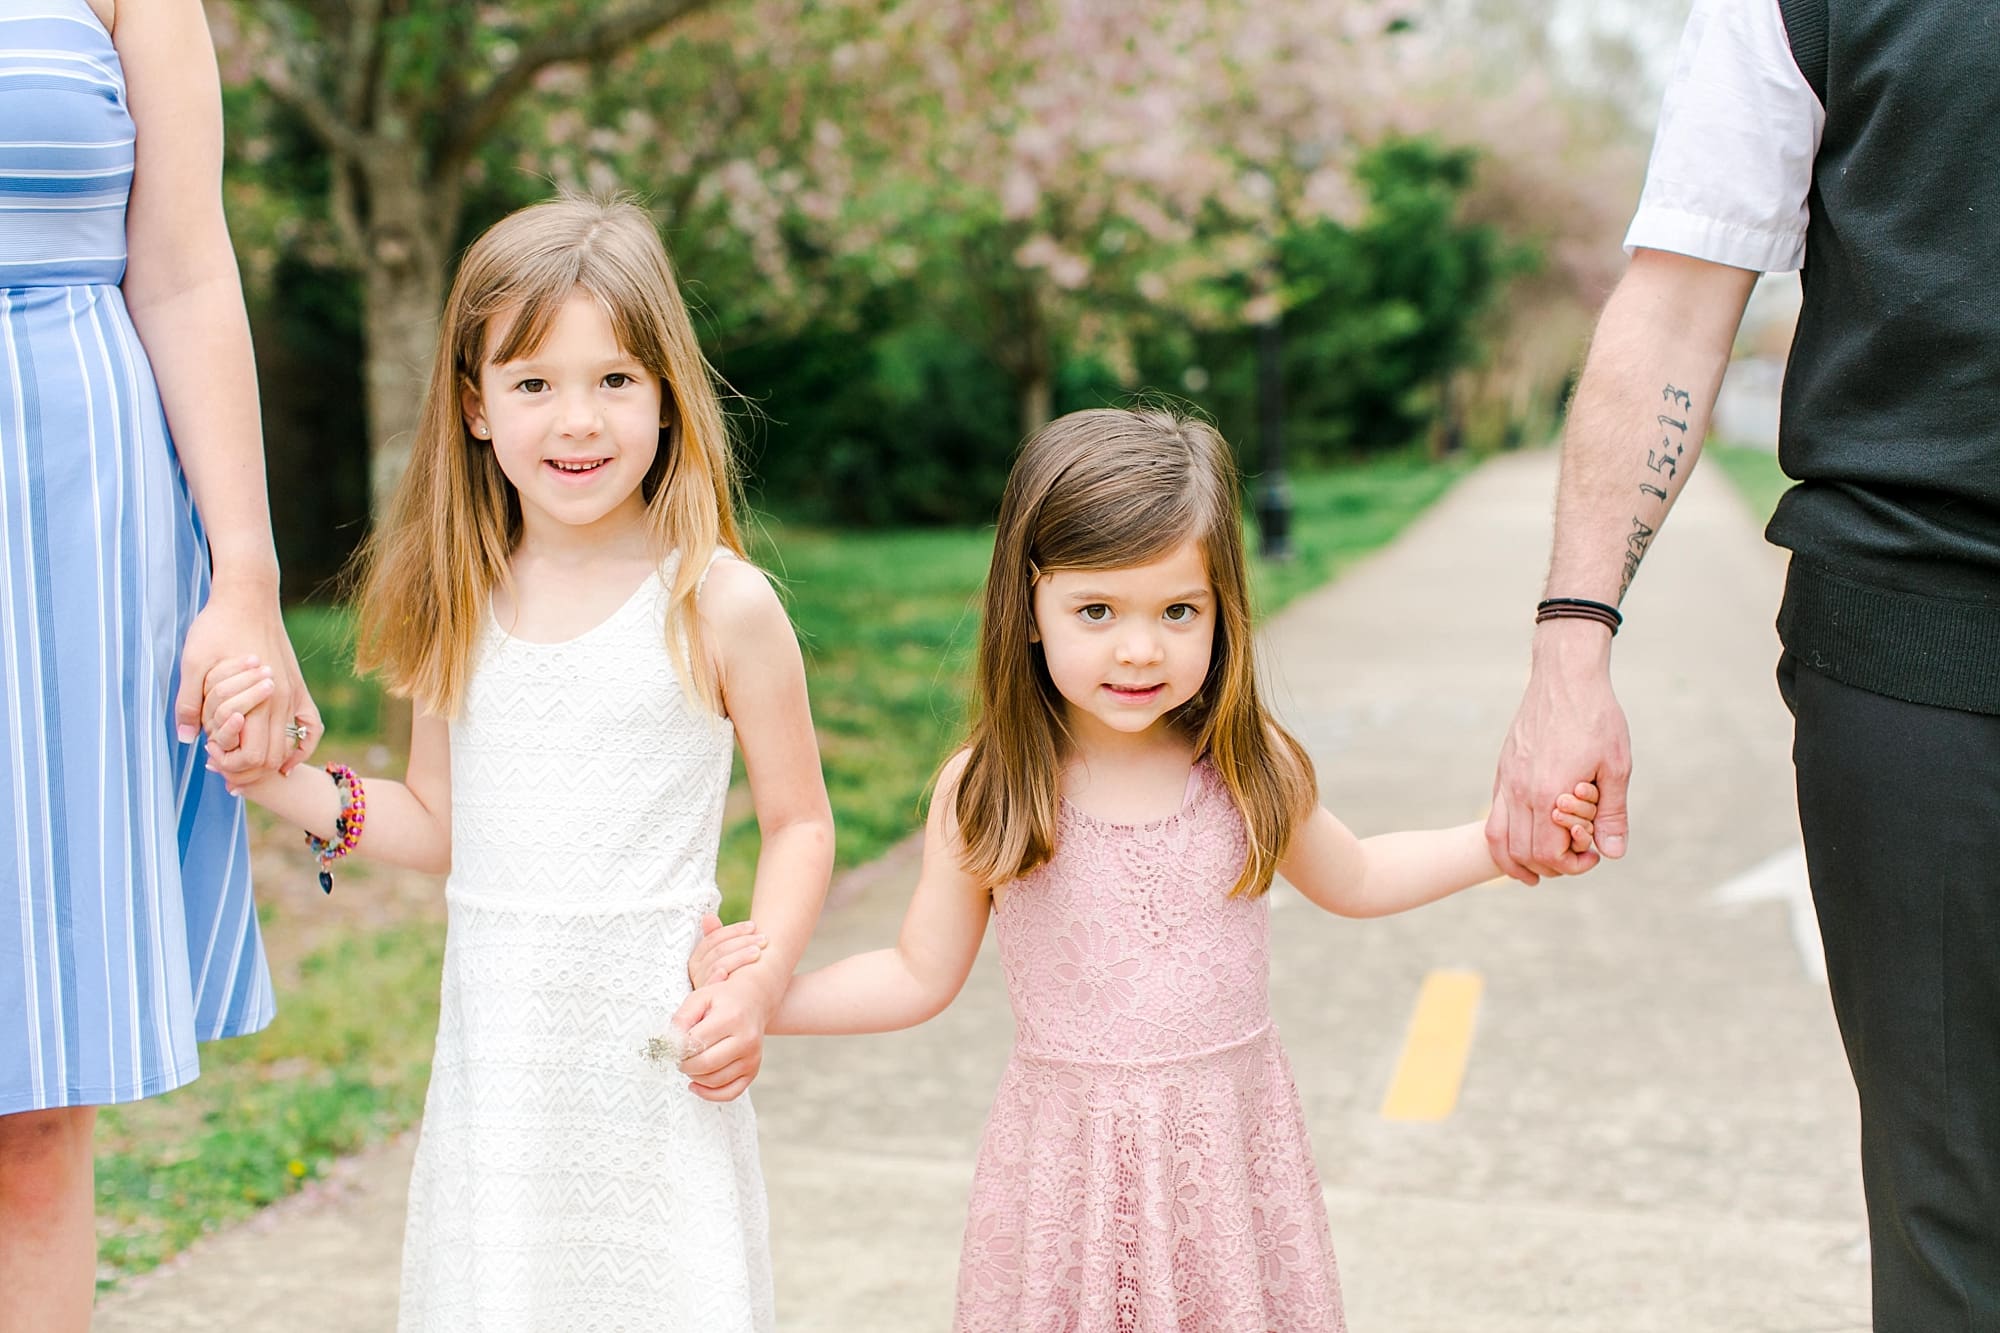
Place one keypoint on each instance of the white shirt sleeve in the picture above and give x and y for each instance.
(1732, 161)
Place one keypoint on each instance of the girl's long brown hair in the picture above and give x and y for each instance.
(1109, 489)
(427, 574)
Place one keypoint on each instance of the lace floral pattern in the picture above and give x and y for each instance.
(1146, 1165)
(563, 1179)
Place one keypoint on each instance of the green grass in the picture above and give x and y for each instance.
(352, 708)
(345, 1064)
(1755, 472)
(887, 622)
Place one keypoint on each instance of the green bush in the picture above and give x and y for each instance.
(899, 420)
(899, 417)
(352, 707)
(1378, 316)
(890, 409)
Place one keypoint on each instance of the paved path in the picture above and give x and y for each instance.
(1655, 1130)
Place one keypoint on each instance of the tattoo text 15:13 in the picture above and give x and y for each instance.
(1663, 465)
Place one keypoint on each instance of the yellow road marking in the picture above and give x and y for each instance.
(1427, 1079)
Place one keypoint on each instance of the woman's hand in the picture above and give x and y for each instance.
(247, 623)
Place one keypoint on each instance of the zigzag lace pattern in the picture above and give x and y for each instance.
(562, 1179)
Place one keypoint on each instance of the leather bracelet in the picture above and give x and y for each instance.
(1578, 608)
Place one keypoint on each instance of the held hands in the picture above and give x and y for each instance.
(232, 692)
(723, 949)
(1569, 723)
(724, 1018)
(1576, 810)
(263, 744)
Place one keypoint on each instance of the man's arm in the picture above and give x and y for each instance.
(1635, 430)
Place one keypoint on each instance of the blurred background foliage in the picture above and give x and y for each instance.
(912, 232)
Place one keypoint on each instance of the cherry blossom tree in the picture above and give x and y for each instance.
(739, 130)
(1058, 174)
(1054, 177)
(1562, 142)
(1098, 167)
(401, 95)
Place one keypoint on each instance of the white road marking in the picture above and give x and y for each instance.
(1782, 878)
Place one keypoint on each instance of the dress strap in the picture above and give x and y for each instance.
(718, 553)
(1196, 782)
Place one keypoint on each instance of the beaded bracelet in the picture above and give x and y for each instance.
(347, 825)
(1578, 608)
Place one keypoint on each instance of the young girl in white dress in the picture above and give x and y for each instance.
(561, 591)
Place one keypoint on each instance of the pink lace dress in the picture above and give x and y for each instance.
(1146, 1166)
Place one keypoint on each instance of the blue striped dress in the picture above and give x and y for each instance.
(127, 931)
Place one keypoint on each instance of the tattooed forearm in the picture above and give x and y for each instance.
(1663, 463)
(1636, 543)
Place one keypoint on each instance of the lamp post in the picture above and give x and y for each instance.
(1274, 495)
(1273, 503)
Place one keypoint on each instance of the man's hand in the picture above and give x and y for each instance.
(1569, 729)
(1633, 435)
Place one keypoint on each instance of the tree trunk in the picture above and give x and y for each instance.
(1037, 399)
(405, 239)
(1019, 332)
(401, 322)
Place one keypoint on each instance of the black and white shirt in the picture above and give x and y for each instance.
(1732, 160)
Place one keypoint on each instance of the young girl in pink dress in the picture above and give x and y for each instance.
(1120, 811)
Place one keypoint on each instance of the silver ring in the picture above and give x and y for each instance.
(298, 729)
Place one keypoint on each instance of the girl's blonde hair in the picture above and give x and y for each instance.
(1109, 489)
(428, 573)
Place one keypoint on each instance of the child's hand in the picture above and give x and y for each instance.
(234, 688)
(724, 1023)
(722, 950)
(1578, 813)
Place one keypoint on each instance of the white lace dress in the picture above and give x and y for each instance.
(565, 1180)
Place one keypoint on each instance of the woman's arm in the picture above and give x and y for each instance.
(901, 987)
(186, 301)
(763, 683)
